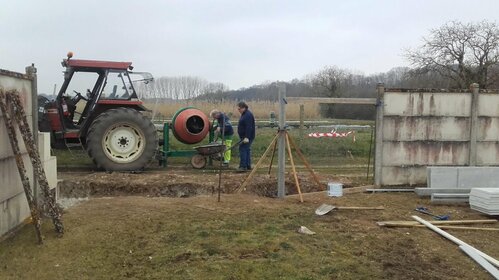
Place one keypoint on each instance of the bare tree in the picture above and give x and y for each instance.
(215, 88)
(330, 81)
(461, 52)
(183, 87)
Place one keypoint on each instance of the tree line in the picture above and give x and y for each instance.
(451, 57)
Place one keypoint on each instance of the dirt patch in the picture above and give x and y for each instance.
(179, 183)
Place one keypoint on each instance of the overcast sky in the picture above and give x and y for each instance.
(238, 43)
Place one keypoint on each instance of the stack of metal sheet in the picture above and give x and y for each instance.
(485, 200)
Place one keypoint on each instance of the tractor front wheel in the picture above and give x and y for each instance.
(121, 140)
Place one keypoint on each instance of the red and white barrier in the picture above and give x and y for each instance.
(332, 134)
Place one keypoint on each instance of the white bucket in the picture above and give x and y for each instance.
(334, 189)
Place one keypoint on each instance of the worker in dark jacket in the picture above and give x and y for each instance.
(246, 132)
(223, 129)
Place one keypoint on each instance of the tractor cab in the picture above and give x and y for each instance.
(91, 87)
(94, 91)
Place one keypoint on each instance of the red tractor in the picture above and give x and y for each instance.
(107, 120)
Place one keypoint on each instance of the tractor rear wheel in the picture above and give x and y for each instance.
(121, 140)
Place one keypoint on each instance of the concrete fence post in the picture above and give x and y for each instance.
(31, 73)
(475, 90)
(378, 154)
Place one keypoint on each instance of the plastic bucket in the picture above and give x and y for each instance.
(334, 189)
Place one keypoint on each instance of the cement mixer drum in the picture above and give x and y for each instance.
(190, 125)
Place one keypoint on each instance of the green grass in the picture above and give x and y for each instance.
(341, 154)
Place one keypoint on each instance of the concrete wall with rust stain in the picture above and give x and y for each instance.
(423, 129)
(13, 205)
(488, 129)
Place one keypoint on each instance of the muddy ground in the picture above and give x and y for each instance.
(169, 225)
(181, 182)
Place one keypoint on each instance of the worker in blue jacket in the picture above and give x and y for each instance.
(223, 130)
(246, 132)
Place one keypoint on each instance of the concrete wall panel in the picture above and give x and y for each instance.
(425, 153)
(488, 129)
(427, 104)
(10, 178)
(12, 212)
(435, 128)
(14, 208)
(5, 146)
(44, 146)
(488, 153)
(396, 175)
(426, 128)
(50, 168)
(488, 105)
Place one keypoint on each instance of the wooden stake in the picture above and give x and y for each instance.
(293, 167)
(314, 176)
(272, 158)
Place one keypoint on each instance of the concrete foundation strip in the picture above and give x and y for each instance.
(389, 190)
(326, 208)
(472, 253)
(455, 240)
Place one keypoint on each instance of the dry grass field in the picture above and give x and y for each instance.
(261, 109)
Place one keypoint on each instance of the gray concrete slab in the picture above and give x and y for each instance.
(430, 191)
(478, 177)
(442, 177)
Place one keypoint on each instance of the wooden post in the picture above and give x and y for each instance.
(304, 160)
(378, 155)
(288, 145)
(473, 123)
(281, 189)
(272, 158)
